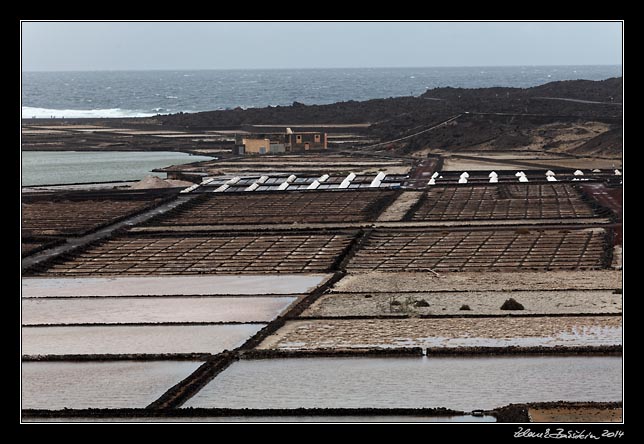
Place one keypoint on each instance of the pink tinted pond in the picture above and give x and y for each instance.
(79, 385)
(151, 310)
(151, 339)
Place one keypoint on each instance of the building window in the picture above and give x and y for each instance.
(317, 138)
(298, 139)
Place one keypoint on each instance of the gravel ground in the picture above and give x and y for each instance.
(447, 332)
(400, 206)
(480, 281)
(575, 414)
(449, 303)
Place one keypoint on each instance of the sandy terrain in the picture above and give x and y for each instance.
(523, 162)
(40, 131)
(557, 137)
(584, 163)
(321, 168)
(368, 224)
(456, 164)
(575, 414)
(65, 127)
(447, 332)
(480, 281)
(617, 257)
(400, 206)
(488, 303)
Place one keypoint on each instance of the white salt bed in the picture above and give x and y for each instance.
(618, 173)
(523, 179)
(578, 173)
(493, 174)
(550, 173)
(465, 175)
(494, 179)
(252, 187)
(190, 188)
(435, 175)
(462, 180)
(597, 170)
(520, 174)
(432, 181)
(150, 182)
(550, 179)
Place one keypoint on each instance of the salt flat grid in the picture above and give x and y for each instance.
(77, 217)
(278, 208)
(390, 250)
(207, 254)
(309, 251)
(503, 201)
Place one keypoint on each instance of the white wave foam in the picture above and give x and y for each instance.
(29, 112)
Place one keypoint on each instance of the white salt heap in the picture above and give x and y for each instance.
(156, 182)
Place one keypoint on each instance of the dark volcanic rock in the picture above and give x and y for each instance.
(501, 118)
(511, 304)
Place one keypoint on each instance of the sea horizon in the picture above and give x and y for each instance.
(146, 93)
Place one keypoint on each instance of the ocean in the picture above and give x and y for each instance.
(147, 93)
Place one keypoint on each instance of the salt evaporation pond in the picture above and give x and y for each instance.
(151, 310)
(80, 385)
(292, 419)
(135, 339)
(453, 382)
(60, 167)
(171, 285)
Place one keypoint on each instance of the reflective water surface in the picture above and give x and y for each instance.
(78, 385)
(292, 419)
(458, 383)
(135, 339)
(151, 310)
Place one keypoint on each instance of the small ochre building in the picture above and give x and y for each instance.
(288, 142)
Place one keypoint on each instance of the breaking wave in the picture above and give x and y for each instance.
(29, 112)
